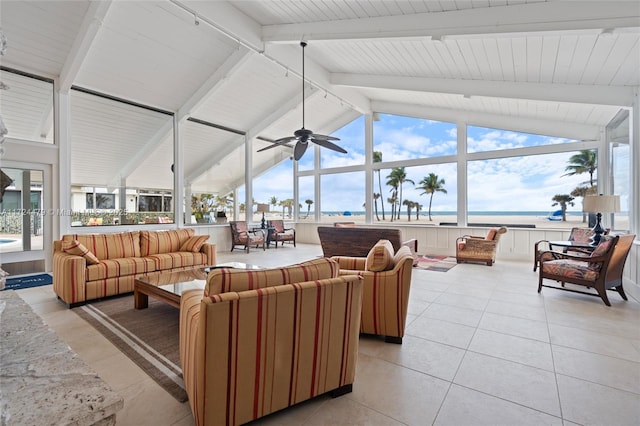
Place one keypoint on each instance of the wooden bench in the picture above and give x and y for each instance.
(357, 241)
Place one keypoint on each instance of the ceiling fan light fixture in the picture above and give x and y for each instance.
(303, 136)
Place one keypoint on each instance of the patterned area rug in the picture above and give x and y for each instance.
(149, 337)
(436, 263)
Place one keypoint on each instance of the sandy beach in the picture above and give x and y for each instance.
(622, 222)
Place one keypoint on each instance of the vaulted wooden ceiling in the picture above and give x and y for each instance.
(561, 68)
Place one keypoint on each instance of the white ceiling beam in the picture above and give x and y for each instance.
(316, 75)
(591, 94)
(558, 128)
(293, 102)
(210, 161)
(225, 18)
(87, 33)
(142, 154)
(261, 168)
(518, 18)
(235, 61)
(261, 124)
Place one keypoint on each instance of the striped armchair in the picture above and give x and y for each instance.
(385, 291)
(261, 341)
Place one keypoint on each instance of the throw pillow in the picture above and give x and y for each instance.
(380, 257)
(491, 235)
(194, 243)
(77, 249)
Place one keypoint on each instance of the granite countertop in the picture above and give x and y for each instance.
(43, 381)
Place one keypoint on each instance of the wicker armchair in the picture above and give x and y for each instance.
(470, 248)
(240, 235)
(602, 270)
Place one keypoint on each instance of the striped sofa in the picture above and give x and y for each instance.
(255, 342)
(92, 266)
(385, 291)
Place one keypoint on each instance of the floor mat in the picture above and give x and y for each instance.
(436, 263)
(28, 281)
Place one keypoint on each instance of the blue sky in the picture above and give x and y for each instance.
(511, 184)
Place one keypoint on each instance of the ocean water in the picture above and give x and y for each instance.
(453, 213)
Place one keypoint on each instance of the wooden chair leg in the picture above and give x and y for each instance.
(620, 290)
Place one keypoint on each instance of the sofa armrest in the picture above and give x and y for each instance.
(190, 304)
(210, 250)
(350, 263)
(69, 277)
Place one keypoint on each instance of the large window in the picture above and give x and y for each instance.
(21, 214)
(404, 138)
(121, 154)
(351, 140)
(342, 197)
(525, 190)
(482, 139)
(26, 107)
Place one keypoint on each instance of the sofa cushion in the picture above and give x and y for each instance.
(194, 243)
(180, 259)
(169, 241)
(109, 246)
(223, 280)
(112, 268)
(380, 257)
(77, 249)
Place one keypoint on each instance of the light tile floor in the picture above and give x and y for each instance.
(482, 347)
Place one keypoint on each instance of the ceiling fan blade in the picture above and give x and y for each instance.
(285, 139)
(299, 150)
(330, 145)
(324, 137)
(279, 142)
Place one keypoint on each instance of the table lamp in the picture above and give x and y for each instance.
(600, 204)
(263, 208)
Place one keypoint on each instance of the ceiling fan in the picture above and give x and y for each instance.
(304, 136)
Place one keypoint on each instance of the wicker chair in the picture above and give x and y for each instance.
(240, 235)
(280, 233)
(602, 270)
(470, 248)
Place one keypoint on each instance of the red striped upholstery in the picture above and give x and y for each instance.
(245, 355)
(120, 259)
(385, 295)
(118, 267)
(226, 279)
(109, 246)
(157, 242)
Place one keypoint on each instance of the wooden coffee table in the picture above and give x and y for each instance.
(168, 287)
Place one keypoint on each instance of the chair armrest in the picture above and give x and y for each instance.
(209, 249)
(350, 263)
(69, 277)
(539, 244)
(190, 304)
(554, 255)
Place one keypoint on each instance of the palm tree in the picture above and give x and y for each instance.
(410, 205)
(273, 201)
(392, 200)
(418, 207)
(585, 161)
(400, 176)
(309, 202)
(392, 181)
(377, 158)
(581, 191)
(375, 204)
(430, 185)
(562, 200)
(288, 204)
